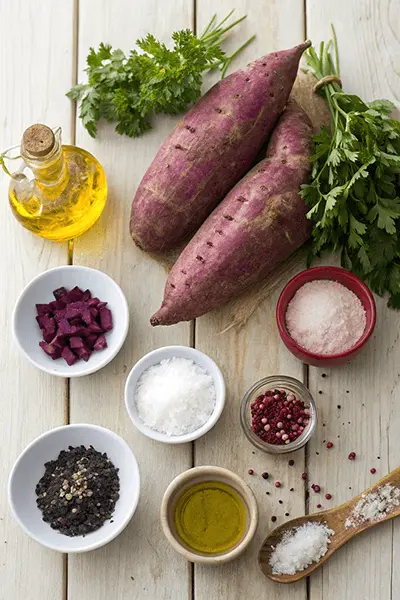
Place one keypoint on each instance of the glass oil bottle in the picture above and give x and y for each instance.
(57, 191)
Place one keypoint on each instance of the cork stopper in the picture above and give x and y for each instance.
(38, 140)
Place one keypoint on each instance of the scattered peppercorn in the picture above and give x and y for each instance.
(328, 496)
(316, 488)
(280, 501)
(267, 493)
(323, 375)
(287, 515)
(373, 470)
(292, 489)
(319, 505)
(329, 445)
(339, 406)
(317, 453)
(304, 476)
(278, 484)
(320, 392)
(378, 457)
(78, 491)
(291, 462)
(273, 519)
(265, 475)
(352, 456)
(250, 472)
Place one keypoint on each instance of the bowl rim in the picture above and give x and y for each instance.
(248, 497)
(283, 302)
(158, 436)
(84, 370)
(299, 442)
(112, 535)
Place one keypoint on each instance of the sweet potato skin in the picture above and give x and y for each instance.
(256, 227)
(210, 150)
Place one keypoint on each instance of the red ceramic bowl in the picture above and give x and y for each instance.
(347, 279)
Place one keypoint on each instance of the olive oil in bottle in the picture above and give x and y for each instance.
(59, 191)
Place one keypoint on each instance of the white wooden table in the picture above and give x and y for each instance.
(43, 46)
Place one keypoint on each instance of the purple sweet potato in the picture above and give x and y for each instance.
(69, 357)
(256, 227)
(213, 146)
(53, 351)
(101, 342)
(106, 319)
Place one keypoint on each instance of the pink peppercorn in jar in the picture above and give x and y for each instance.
(266, 414)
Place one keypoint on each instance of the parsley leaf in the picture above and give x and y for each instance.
(354, 192)
(130, 90)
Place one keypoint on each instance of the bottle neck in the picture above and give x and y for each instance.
(50, 169)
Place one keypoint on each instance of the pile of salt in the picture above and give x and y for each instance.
(325, 317)
(374, 505)
(300, 547)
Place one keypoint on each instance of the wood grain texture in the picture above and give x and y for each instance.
(248, 356)
(35, 38)
(140, 563)
(366, 390)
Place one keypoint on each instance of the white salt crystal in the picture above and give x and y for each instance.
(175, 397)
(325, 317)
(300, 547)
(374, 505)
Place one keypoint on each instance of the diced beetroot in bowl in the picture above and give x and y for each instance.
(59, 293)
(50, 350)
(93, 302)
(75, 294)
(76, 342)
(43, 309)
(106, 319)
(101, 342)
(69, 357)
(94, 327)
(73, 325)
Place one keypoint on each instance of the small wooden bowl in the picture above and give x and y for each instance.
(197, 475)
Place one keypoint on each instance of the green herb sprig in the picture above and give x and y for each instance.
(354, 192)
(130, 90)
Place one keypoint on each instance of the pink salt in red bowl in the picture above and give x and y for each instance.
(350, 281)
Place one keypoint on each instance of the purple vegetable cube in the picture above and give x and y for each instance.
(84, 353)
(59, 293)
(86, 316)
(69, 357)
(59, 314)
(48, 325)
(93, 302)
(101, 343)
(53, 305)
(75, 295)
(77, 322)
(94, 327)
(94, 312)
(42, 309)
(72, 312)
(101, 305)
(50, 350)
(90, 340)
(106, 319)
(60, 341)
(58, 304)
(65, 327)
(76, 342)
(87, 294)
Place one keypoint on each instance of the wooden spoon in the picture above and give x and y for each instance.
(335, 519)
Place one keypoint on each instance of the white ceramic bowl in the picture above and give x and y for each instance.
(40, 291)
(186, 480)
(29, 468)
(154, 358)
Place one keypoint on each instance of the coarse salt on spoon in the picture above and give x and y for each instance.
(335, 519)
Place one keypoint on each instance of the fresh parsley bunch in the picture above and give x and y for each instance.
(354, 192)
(130, 90)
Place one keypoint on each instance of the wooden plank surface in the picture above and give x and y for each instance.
(367, 389)
(247, 356)
(140, 563)
(35, 38)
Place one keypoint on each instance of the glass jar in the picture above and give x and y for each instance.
(290, 385)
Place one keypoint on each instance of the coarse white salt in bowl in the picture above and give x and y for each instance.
(175, 365)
